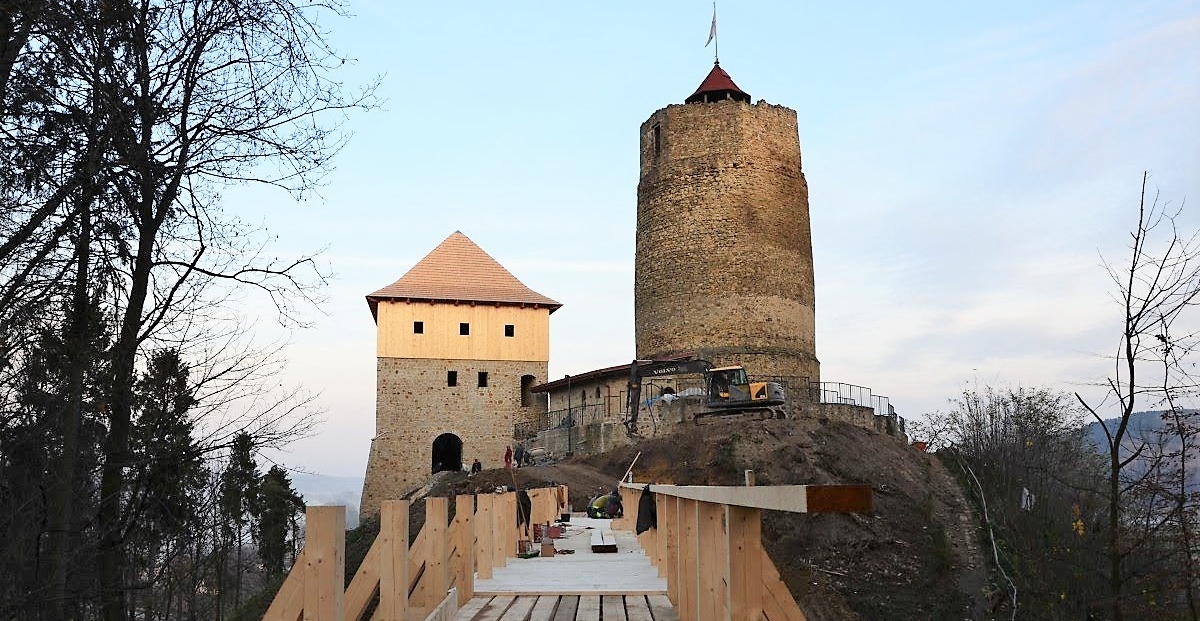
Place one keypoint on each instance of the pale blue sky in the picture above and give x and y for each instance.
(967, 163)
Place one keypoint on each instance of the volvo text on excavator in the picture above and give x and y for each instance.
(727, 390)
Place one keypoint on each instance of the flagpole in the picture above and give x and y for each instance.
(716, 39)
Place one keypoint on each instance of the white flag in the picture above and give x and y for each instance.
(712, 30)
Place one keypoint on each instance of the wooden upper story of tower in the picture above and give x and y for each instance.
(459, 303)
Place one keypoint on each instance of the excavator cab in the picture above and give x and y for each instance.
(728, 385)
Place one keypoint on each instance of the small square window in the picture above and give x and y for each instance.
(483, 379)
(464, 328)
(452, 378)
(418, 327)
(509, 329)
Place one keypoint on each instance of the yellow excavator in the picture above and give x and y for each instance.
(727, 390)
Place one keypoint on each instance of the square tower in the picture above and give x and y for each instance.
(459, 344)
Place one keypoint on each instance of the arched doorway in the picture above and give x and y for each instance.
(447, 453)
(526, 393)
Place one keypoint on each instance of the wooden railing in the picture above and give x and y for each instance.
(429, 579)
(708, 545)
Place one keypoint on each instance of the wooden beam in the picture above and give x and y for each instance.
(288, 604)
(365, 583)
(500, 530)
(839, 499)
(436, 575)
(510, 523)
(778, 604)
(393, 561)
(710, 562)
(668, 520)
(689, 542)
(417, 553)
(483, 536)
(744, 562)
(660, 536)
(791, 498)
(324, 563)
(464, 547)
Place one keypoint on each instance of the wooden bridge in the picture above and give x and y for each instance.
(703, 561)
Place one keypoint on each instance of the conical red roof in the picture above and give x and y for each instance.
(459, 271)
(718, 86)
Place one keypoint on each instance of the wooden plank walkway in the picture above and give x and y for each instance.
(568, 608)
(625, 572)
(581, 586)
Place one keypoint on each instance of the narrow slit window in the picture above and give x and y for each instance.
(483, 379)
(657, 139)
(464, 329)
(418, 327)
(452, 378)
(509, 329)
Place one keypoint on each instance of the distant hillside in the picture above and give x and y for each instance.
(1143, 427)
(319, 489)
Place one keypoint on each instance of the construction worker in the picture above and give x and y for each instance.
(605, 506)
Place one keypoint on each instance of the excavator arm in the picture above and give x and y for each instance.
(646, 368)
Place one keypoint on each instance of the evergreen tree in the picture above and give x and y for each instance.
(276, 511)
(239, 489)
(169, 464)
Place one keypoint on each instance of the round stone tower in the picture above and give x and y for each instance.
(723, 265)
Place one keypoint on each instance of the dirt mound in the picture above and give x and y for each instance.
(915, 557)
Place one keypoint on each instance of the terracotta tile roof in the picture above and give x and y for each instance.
(459, 271)
(717, 85)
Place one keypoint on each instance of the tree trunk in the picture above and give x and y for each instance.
(116, 444)
(62, 491)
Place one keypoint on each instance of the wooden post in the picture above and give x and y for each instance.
(324, 563)
(537, 507)
(483, 536)
(710, 562)
(464, 547)
(687, 559)
(500, 530)
(545, 505)
(629, 504)
(435, 563)
(661, 535)
(744, 560)
(510, 524)
(393, 561)
(518, 529)
(749, 478)
(670, 522)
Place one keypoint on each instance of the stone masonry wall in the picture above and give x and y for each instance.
(588, 439)
(723, 264)
(414, 406)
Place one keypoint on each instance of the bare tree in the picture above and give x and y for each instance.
(1156, 290)
(120, 124)
(1024, 457)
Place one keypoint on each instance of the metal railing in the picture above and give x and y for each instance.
(850, 394)
(557, 419)
(652, 391)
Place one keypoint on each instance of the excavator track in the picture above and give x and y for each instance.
(761, 412)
